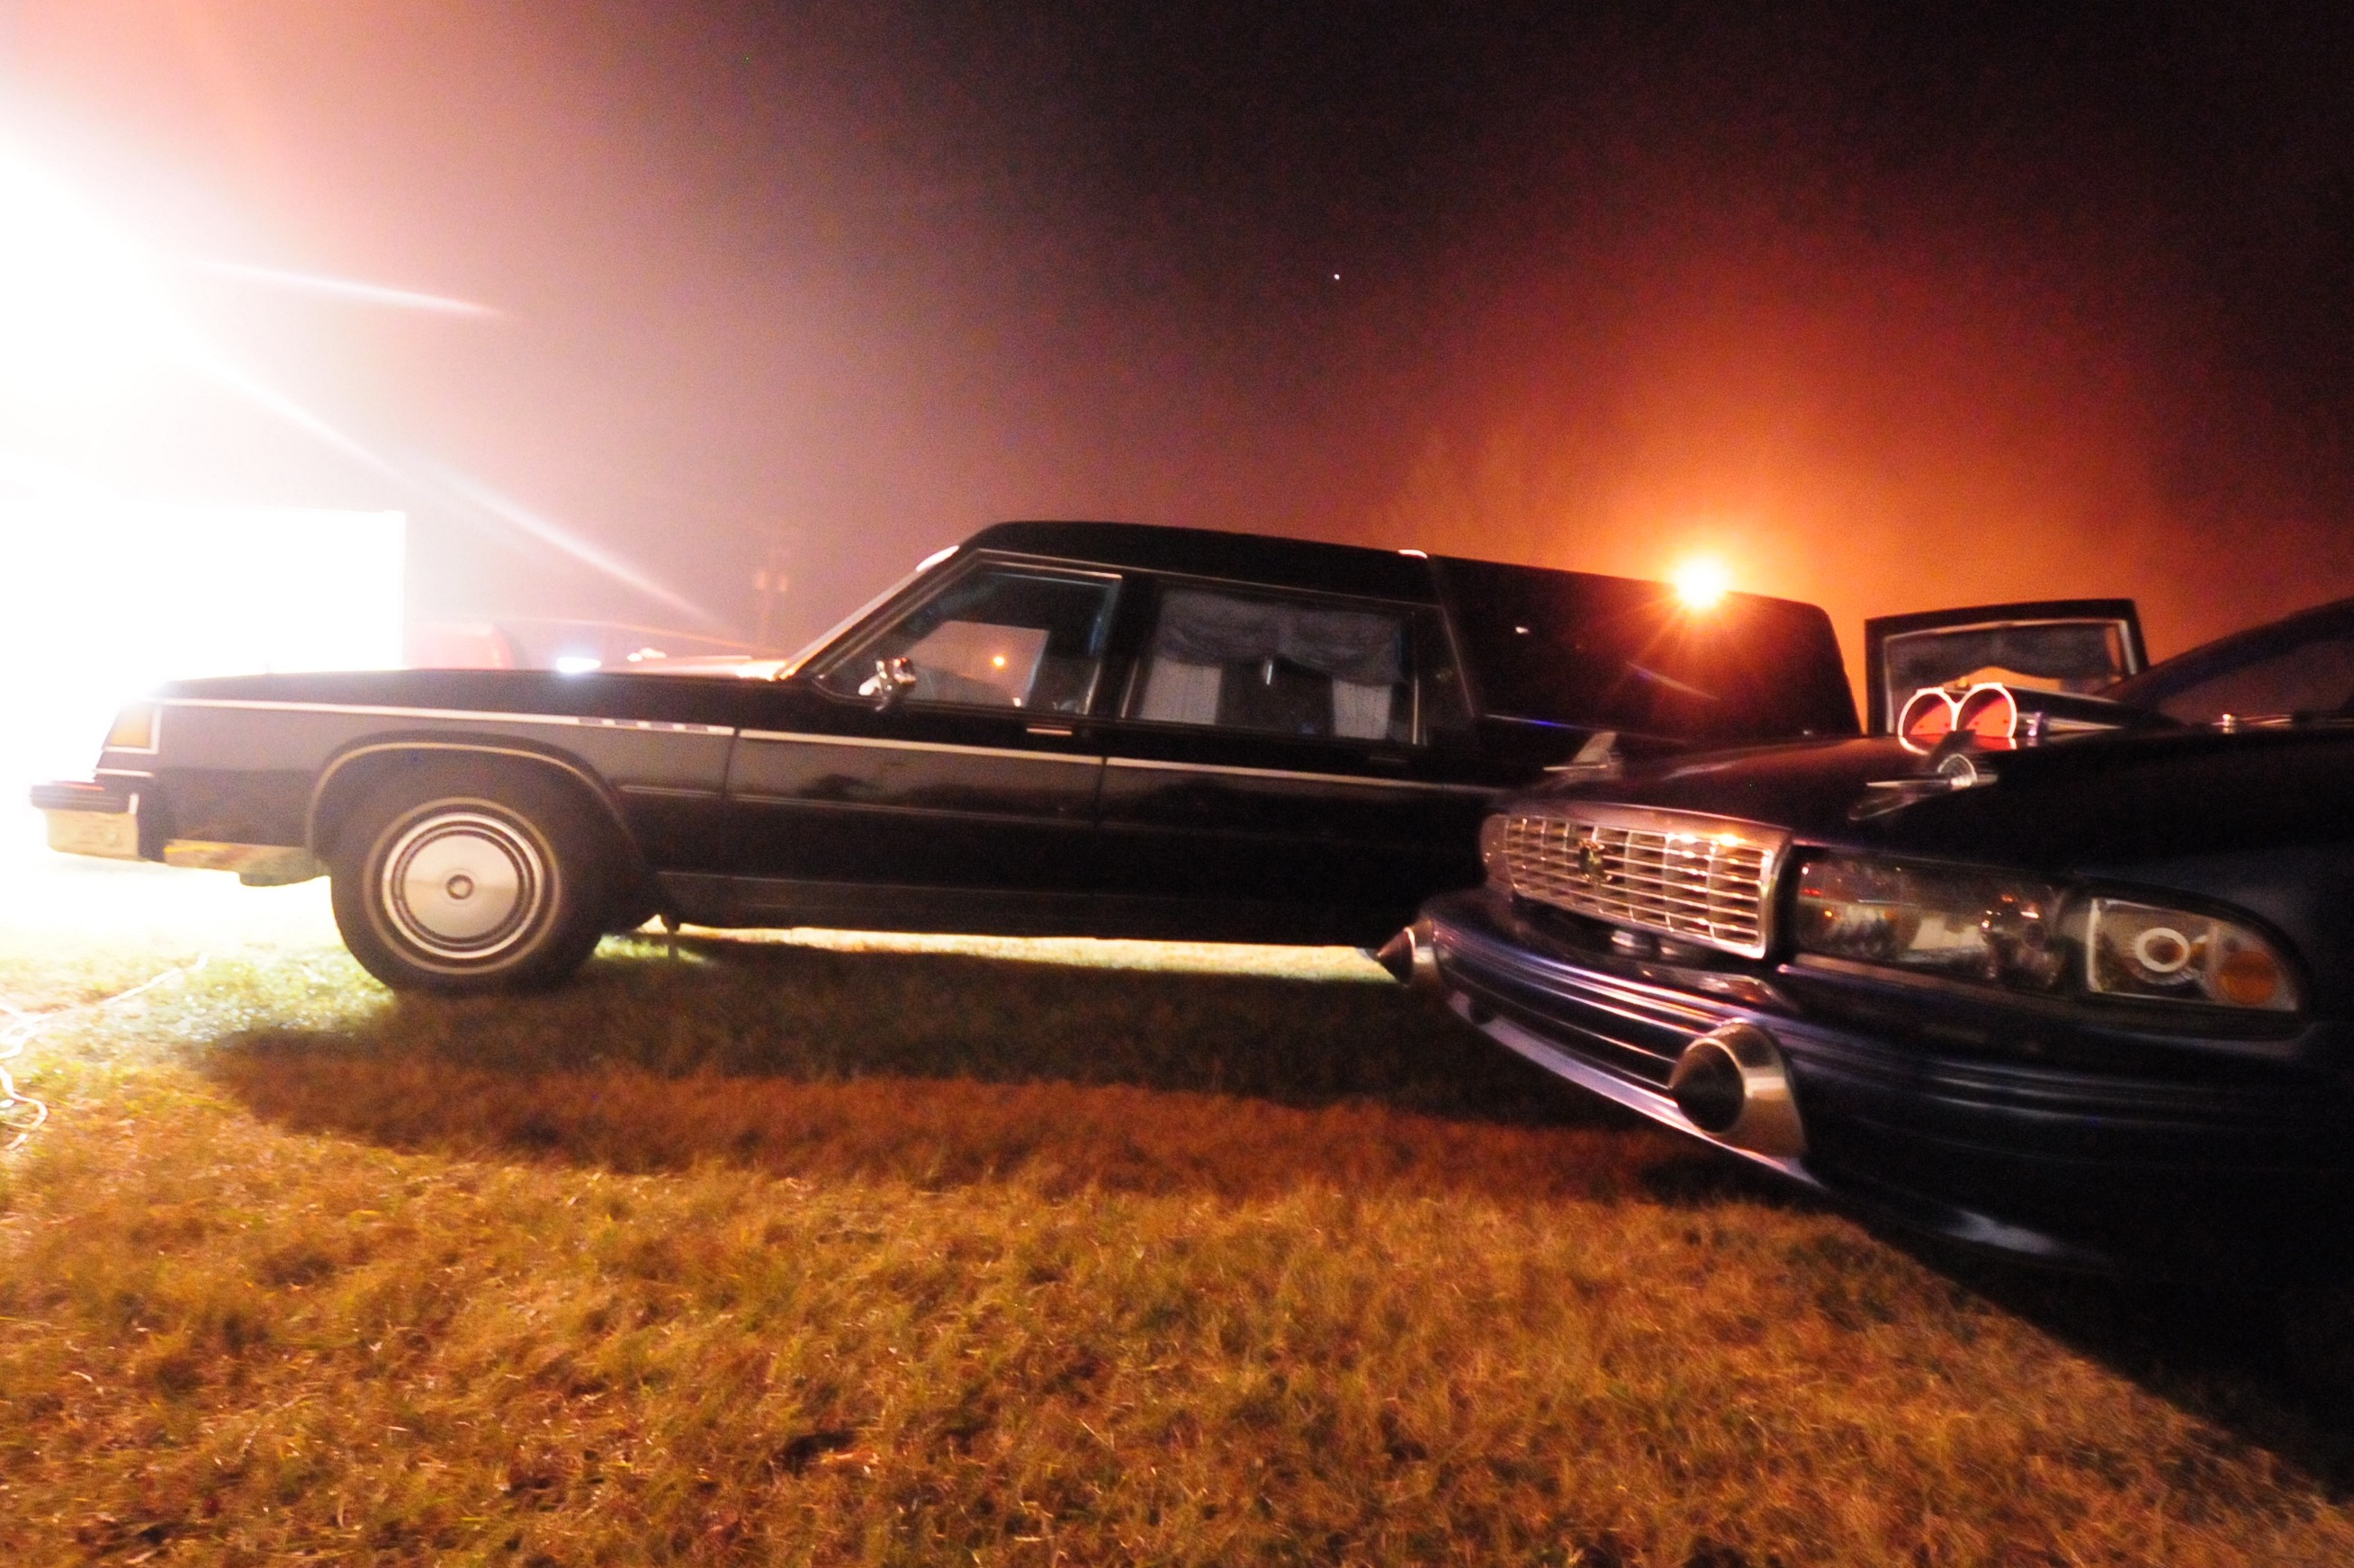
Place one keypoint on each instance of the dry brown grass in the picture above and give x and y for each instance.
(796, 1255)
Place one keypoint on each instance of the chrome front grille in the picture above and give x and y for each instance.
(1704, 879)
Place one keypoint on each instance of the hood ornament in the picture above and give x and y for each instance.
(1593, 861)
(1957, 759)
(1597, 759)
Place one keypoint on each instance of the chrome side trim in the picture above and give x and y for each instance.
(669, 791)
(1156, 764)
(1609, 1085)
(1091, 759)
(369, 710)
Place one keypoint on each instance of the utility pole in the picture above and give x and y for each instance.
(769, 586)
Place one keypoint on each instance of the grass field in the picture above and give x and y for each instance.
(824, 1251)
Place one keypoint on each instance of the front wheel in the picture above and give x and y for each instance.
(461, 881)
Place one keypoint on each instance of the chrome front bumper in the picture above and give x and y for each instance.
(1619, 1035)
(89, 819)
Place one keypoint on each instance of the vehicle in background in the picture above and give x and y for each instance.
(2083, 994)
(1053, 728)
(2074, 646)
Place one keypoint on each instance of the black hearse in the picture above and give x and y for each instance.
(1055, 727)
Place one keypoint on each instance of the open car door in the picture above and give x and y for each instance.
(2071, 645)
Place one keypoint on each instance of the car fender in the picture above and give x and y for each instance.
(345, 775)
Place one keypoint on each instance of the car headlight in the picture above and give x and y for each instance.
(1966, 924)
(2142, 950)
(2031, 935)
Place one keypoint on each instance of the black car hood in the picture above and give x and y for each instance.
(2261, 822)
(2124, 798)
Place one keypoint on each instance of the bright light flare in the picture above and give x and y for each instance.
(104, 596)
(1701, 582)
(80, 307)
(82, 311)
(350, 289)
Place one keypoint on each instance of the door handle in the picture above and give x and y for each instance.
(1062, 730)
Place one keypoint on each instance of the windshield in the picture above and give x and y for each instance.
(813, 650)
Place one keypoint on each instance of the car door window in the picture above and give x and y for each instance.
(1280, 665)
(1001, 636)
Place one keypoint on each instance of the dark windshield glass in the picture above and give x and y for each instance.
(1619, 653)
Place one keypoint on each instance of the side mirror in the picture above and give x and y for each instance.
(893, 679)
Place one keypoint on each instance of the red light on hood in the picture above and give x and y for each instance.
(1990, 713)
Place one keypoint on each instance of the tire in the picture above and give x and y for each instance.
(469, 878)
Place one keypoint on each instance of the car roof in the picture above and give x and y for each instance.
(2194, 664)
(1210, 552)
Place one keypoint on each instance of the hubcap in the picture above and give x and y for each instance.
(464, 885)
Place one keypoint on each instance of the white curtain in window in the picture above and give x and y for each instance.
(1361, 710)
(1205, 627)
(1178, 693)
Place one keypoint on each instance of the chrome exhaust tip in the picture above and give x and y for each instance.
(1733, 1084)
(1410, 957)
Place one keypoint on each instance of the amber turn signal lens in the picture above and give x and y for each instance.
(134, 729)
(2248, 977)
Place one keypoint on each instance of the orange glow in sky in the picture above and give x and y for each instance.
(715, 288)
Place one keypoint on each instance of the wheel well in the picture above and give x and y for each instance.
(350, 777)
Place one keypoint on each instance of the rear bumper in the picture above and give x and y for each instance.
(2163, 1166)
(104, 821)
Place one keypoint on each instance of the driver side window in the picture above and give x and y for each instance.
(1001, 636)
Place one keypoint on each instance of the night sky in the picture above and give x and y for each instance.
(1888, 306)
